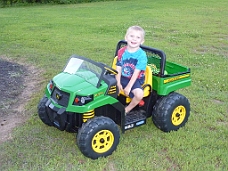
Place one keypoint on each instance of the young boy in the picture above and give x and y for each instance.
(131, 66)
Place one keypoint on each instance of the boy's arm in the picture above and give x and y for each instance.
(132, 81)
(118, 76)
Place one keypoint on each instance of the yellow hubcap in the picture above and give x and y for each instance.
(102, 141)
(178, 115)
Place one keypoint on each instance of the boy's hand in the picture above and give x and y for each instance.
(127, 90)
(120, 87)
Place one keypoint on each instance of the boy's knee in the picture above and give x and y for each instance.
(138, 93)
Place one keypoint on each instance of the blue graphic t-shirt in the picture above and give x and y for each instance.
(131, 61)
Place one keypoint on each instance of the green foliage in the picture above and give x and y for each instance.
(192, 33)
(6, 3)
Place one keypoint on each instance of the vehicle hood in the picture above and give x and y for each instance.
(73, 83)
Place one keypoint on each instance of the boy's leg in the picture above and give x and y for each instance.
(138, 95)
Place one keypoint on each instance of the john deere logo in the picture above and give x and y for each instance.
(58, 96)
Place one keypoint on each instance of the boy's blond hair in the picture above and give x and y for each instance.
(136, 28)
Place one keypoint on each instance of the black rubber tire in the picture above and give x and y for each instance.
(171, 112)
(98, 127)
(43, 113)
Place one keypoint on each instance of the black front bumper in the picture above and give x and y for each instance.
(58, 116)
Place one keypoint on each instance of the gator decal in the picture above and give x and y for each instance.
(176, 78)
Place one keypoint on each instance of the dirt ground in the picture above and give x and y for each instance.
(17, 84)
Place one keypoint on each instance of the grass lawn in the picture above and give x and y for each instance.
(192, 33)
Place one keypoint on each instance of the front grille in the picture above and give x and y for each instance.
(60, 97)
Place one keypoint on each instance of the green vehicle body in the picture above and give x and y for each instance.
(178, 77)
(70, 84)
(72, 101)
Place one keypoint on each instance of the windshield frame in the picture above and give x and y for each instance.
(89, 61)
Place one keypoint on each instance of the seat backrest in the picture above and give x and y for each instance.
(148, 79)
(114, 62)
(148, 82)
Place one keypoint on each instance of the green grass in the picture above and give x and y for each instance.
(191, 33)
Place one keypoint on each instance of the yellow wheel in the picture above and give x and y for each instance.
(178, 115)
(102, 141)
(171, 112)
(98, 137)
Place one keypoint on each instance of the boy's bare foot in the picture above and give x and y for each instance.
(126, 112)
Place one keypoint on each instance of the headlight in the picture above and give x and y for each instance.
(82, 100)
(51, 85)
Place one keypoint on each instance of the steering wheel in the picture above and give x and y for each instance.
(109, 70)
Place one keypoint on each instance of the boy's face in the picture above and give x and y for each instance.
(134, 38)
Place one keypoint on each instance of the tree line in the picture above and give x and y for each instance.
(7, 3)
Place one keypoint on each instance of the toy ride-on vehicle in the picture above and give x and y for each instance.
(84, 98)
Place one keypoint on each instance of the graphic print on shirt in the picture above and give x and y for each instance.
(129, 67)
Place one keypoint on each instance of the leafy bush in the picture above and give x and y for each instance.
(5, 3)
